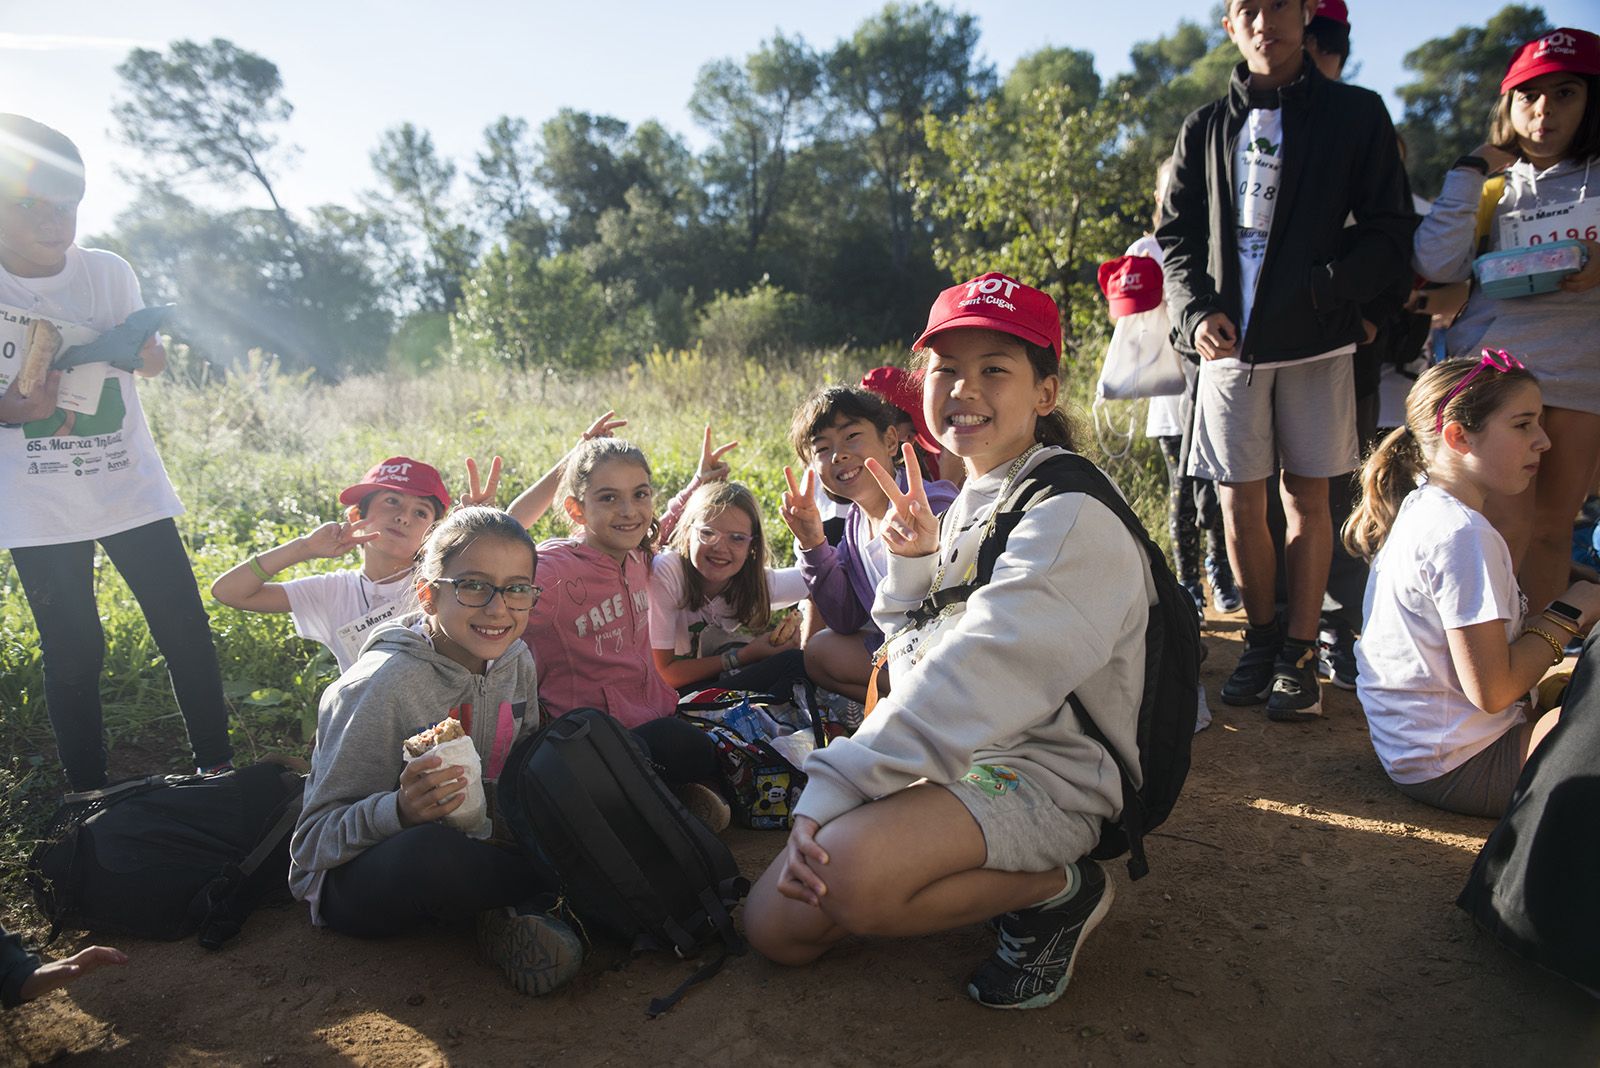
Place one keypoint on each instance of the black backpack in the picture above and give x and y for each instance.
(168, 856)
(631, 858)
(1173, 652)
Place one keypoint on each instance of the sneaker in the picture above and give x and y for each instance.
(215, 769)
(1251, 680)
(705, 805)
(1296, 693)
(1038, 947)
(536, 952)
(1225, 596)
(1199, 596)
(1336, 658)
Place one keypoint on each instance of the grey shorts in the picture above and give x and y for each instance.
(1249, 421)
(1483, 785)
(1023, 830)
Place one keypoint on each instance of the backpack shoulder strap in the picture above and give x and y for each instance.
(1493, 189)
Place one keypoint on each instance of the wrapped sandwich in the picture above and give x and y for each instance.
(40, 345)
(449, 742)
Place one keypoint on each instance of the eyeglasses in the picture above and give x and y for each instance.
(1493, 359)
(710, 536)
(476, 593)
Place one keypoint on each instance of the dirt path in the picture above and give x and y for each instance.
(1300, 911)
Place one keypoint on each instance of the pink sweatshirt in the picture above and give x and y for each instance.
(590, 634)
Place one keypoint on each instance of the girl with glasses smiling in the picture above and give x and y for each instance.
(712, 596)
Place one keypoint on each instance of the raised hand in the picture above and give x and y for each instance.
(480, 494)
(910, 528)
(603, 427)
(335, 539)
(712, 466)
(799, 510)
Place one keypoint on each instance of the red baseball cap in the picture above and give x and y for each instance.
(995, 301)
(903, 389)
(1566, 49)
(400, 473)
(1132, 284)
(1333, 9)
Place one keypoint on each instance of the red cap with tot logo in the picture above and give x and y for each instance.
(1566, 49)
(400, 473)
(1132, 284)
(995, 301)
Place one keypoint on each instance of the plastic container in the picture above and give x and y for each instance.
(1526, 271)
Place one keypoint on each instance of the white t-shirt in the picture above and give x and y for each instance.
(713, 626)
(1443, 567)
(93, 474)
(341, 608)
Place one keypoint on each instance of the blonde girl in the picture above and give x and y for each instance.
(712, 596)
(1449, 649)
(971, 793)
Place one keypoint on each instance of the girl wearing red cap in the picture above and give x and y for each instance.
(1544, 140)
(971, 792)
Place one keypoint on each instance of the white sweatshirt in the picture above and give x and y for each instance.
(1065, 612)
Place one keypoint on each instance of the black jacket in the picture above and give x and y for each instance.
(1340, 158)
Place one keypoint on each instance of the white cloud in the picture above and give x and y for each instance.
(68, 42)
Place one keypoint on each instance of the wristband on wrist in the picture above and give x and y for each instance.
(1477, 163)
(257, 570)
(730, 660)
(1555, 646)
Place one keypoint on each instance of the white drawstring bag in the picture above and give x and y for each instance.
(1140, 361)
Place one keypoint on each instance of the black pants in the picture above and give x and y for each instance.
(58, 581)
(429, 873)
(680, 751)
(777, 674)
(1185, 519)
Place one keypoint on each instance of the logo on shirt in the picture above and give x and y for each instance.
(1265, 147)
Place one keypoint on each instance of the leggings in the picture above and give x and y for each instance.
(58, 581)
(429, 873)
(1184, 521)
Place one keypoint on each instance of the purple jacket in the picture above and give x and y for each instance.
(837, 576)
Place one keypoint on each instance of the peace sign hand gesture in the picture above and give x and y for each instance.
(911, 528)
(712, 466)
(603, 427)
(335, 539)
(480, 493)
(799, 510)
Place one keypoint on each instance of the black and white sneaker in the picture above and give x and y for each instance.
(1337, 658)
(1296, 694)
(1038, 947)
(1251, 680)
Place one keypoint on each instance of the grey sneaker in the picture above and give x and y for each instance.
(536, 952)
(1038, 947)
(1337, 658)
(1296, 694)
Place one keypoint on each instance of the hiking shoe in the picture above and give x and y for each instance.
(1336, 658)
(536, 952)
(1251, 680)
(1033, 963)
(1296, 694)
(1225, 596)
(1194, 591)
(705, 805)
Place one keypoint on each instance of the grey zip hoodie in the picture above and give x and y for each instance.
(1065, 612)
(1553, 333)
(399, 685)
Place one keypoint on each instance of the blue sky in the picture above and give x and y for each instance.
(354, 67)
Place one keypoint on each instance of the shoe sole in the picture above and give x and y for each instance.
(535, 958)
(1050, 997)
(1295, 715)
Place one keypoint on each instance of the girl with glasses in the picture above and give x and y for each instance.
(712, 596)
(1451, 647)
(372, 853)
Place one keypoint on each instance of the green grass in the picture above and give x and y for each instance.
(260, 457)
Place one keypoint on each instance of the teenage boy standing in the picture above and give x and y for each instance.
(1261, 293)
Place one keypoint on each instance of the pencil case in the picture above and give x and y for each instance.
(1526, 271)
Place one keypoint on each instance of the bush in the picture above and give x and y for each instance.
(759, 322)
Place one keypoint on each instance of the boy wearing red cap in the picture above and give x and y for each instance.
(389, 513)
(1260, 292)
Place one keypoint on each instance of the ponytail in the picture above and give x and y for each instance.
(1391, 472)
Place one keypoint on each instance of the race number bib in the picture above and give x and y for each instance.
(1256, 195)
(80, 386)
(353, 635)
(1572, 220)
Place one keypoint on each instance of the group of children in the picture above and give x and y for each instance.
(972, 792)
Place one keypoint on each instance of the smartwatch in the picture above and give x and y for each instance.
(1565, 611)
